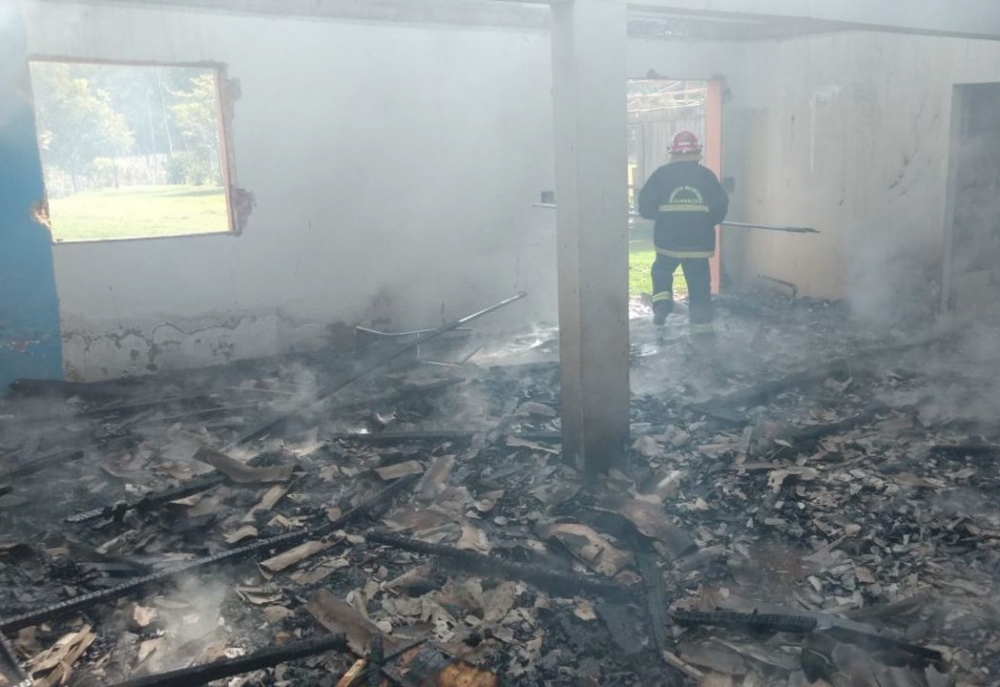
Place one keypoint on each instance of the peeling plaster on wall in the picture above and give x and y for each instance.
(242, 203)
(40, 213)
(19, 346)
(92, 352)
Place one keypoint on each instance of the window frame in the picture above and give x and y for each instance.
(224, 102)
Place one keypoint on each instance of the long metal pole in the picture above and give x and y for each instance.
(770, 227)
(727, 223)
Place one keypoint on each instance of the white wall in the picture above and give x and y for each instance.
(394, 169)
(386, 161)
(849, 133)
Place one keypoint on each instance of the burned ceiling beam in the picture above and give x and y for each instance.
(752, 622)
(36, 465)
(802, 439)
(231, 667)
(149, 502)
(564, 584)
(804, 623)
(721, 407)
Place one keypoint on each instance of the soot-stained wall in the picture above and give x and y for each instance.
(849, 133)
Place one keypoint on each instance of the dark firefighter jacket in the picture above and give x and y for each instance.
(687, 201)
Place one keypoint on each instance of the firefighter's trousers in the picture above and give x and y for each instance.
(699, 280)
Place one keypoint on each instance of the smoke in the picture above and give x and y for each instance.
(961, 382)
(891, 281)
(189, 623)
(304, 387)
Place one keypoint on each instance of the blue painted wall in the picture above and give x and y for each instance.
(30, 345)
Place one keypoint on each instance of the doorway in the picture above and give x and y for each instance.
(972, 215)
(657, 109)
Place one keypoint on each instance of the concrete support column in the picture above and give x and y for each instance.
(591, 157)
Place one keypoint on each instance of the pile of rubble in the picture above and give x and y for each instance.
(776, 521)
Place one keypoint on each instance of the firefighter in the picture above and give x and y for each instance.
(687, 201)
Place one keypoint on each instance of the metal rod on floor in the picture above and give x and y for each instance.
(380, 362)
(148, 502)
(727, 223)
(556, 582)
(13, 672)
(276, 544)
(781, 282)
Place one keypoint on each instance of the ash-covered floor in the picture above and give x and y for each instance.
(809, 501)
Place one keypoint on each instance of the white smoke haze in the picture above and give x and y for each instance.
(962, 380)
(440, 246)
(189, 622)
(303, 385)
(892, 282)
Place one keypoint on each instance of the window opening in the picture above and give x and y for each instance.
(131, 151)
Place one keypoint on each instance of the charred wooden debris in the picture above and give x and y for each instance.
(396, 521)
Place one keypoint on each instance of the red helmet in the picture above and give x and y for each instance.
(685, 142)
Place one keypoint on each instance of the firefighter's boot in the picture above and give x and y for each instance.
(663, 305)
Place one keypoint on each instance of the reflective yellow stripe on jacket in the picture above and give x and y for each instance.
(683, 207)
(682, 254)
